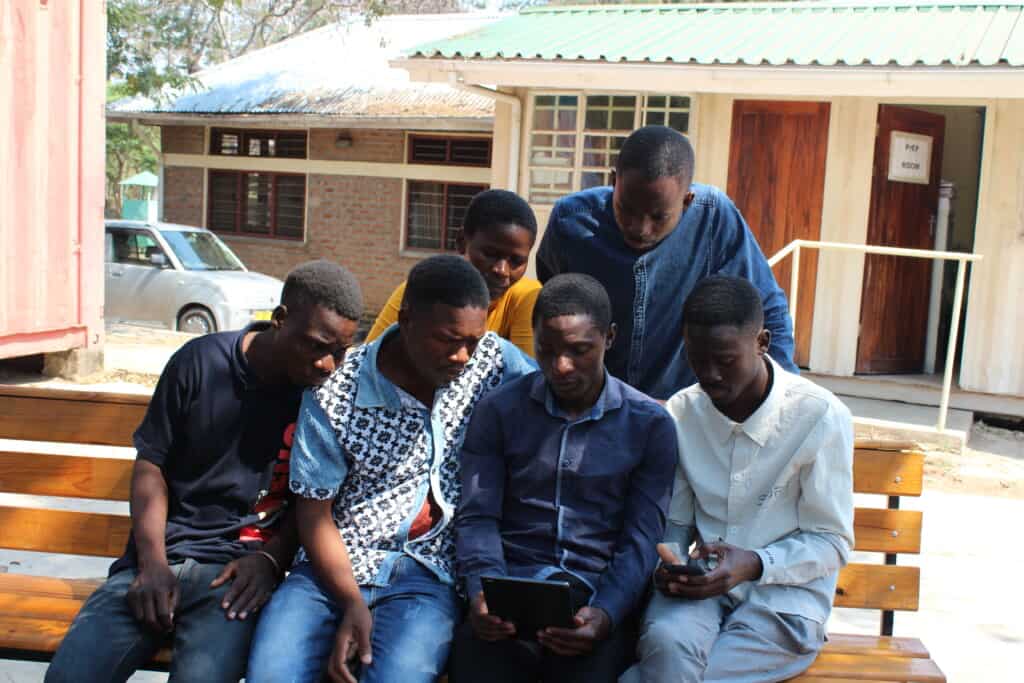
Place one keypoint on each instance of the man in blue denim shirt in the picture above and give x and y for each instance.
(566, 474)
(649, 239)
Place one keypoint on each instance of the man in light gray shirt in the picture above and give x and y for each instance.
(764, 488)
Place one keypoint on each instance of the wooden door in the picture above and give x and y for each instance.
(904, 200)
(777, 179)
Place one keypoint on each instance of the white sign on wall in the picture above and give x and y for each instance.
(910, 157)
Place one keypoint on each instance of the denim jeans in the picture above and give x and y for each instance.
(413, 620)
(106, 643)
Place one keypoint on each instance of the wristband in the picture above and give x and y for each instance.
(273, 561)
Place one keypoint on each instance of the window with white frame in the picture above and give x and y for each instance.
(575, 138)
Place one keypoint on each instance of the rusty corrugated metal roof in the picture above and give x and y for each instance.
(910, 33)
(340, 70)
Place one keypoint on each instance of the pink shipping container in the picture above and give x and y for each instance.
(52, 91)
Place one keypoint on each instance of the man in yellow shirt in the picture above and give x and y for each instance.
(497, 236)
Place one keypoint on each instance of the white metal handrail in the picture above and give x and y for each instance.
(961, 258)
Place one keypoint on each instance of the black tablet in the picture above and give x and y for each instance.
(529, 604)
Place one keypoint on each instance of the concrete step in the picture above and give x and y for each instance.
(879, 419)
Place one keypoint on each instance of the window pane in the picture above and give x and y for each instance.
(654, 118)
(291, 145)
(547, 186)
(677, 102)
(568, 101)
(543, 152)
(656, 101)
(254, 147)
(471, 152)
(223, 201)
(426, 206)
(545, 100)
(622, 120)
(566, 119)
(594, 179)
(610, 113)
(597, 119)
(289, 205)
(228, 144)
(429, 150)
(256, 190)
(680, 121)
(459, 197)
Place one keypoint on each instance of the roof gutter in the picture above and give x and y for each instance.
(456, 80)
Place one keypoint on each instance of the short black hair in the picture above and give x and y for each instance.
(491, 208)
(323, 283)
(574, 294)
(445, 279)
(724, 300)
(656, 152)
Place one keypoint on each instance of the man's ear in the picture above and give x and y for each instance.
(460, 242)
(611, 178)
(609, 339)
(277, 318)
(764, 340)
(688, 199)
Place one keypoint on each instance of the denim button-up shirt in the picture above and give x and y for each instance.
(543, 494)
(648, 290)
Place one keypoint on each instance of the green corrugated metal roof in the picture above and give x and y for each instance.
(801, 33)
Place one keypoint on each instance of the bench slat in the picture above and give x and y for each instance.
(858, 668)
(70, 416)
(66, 475)
(892, 473)
(48, 586)
(61, 531)
(884, 646)
(44, 635)
(878, 586)
(887, 531)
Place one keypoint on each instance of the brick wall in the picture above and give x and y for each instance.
(183, 195)
(182, 139)
(367, 145)
(354, 220)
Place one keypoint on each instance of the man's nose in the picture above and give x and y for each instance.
(562, 365)
(501, 268)
(325, 364)
(461, 356)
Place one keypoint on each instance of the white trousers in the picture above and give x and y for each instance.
(721, 639)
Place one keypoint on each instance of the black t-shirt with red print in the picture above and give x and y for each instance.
(222, 440)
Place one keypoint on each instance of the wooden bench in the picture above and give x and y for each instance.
(35, 611)
(891, 469)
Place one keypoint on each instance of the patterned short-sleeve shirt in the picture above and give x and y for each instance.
(379, 457)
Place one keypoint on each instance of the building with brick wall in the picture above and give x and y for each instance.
(316, 148)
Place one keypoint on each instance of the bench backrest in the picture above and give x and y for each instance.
(95, 418)
(891, 469)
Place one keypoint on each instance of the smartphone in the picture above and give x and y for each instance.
(691, 568)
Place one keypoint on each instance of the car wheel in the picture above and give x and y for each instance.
(196, 320)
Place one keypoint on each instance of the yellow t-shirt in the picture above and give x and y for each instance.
(510, 317)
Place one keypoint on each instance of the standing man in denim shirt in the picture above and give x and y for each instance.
(649, 238)
(375, 470)
(566, 474)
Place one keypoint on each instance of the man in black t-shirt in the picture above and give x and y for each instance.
(210, 529)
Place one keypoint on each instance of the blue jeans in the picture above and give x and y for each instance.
(106, 643)
(413, 620)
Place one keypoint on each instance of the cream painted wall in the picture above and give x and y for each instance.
(993, 358)
(844, 213)
(844, 218)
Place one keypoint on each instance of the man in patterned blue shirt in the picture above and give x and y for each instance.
(375, 468)
(649, 239)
